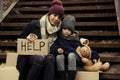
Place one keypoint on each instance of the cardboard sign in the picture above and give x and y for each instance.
(27, 47)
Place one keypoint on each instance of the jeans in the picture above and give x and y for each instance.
(36, 67)
(60, 59)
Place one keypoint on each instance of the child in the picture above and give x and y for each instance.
(64, 48)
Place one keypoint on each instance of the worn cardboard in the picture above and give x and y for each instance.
(11, 59)
(27, 47)
(8, 73)
(85, 75)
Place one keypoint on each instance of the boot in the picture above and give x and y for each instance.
(61, 75)
(71, 75)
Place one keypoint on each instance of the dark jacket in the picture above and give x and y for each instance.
(70, 46)
(67, 45)
(32, 27)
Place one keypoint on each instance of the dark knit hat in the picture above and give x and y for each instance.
(69, 22)
(57, 8)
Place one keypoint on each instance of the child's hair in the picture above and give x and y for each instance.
(67, 28)
(69, 23)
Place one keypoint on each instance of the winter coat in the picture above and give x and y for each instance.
(32, 27)
(67, 45)
(70, 46)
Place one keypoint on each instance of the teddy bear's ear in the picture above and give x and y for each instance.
(84, 41)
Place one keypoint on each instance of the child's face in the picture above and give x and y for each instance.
(66, 32)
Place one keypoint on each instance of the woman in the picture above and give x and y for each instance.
(36, 67)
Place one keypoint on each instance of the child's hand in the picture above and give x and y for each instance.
(60, 50)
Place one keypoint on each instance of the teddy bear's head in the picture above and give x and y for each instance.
(84, 51)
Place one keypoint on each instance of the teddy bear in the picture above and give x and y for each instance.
(96, 65)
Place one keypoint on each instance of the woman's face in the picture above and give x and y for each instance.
(54, 19)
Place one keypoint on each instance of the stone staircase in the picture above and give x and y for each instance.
(96, 20)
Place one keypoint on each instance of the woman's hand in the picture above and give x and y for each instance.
(32, 37)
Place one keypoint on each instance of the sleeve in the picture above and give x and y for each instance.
(27, 30)
(54, 47)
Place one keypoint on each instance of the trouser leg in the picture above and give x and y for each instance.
(71, 66)
(61, 75)
(48, 73)
(22, 66)
(72, 62)
(35, 73)
(60, 62)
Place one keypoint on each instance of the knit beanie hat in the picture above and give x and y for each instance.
(57, 8)
(69, 22)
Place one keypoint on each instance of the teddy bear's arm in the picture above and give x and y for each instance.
(94, 67)
(86, 61)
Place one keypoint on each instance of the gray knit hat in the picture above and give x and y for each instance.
(69, 22)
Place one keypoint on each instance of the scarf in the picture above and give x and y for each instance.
(72, 37)
(47, 30)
